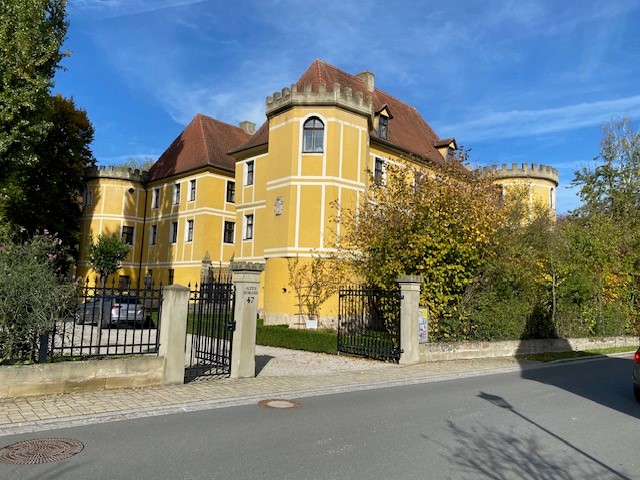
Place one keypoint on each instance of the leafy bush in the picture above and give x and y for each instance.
(31, 296)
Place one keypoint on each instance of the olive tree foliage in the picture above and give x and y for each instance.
(31, 36)
(438, 223)
(106, 254)
(32, 295)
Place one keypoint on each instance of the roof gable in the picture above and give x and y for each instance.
(204, 142)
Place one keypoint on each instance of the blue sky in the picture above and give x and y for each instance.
(515, 81)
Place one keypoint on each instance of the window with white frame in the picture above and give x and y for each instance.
(378, 171)
(176, 194)
(313, 136)
(127, 235)
(552, 198)
(229, 232)
(248, 178)
(155, 199)
(231, 191)
(173, 233)
(153, 234)
(192, 190)
(188, 235)
(248, 227)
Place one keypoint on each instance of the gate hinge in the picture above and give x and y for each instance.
(231, 326)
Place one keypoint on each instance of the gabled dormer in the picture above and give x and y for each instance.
(446, 147)
(381, 122)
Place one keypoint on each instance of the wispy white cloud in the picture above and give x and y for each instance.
(101, 9)
(525, 123)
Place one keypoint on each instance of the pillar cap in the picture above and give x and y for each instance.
(177, 288)
(410, 279)
(247, 267)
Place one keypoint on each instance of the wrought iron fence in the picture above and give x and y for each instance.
(369, 322)
(210, 326)
(109, 321)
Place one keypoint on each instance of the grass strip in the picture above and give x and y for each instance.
(552, 356)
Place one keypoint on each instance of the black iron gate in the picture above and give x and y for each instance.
(369, 322)
(210, 326)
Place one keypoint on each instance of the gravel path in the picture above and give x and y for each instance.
(279, 362)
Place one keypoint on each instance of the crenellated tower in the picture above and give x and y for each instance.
(541, 181)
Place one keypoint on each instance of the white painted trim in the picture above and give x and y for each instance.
(322, 212)
(291, 181)
(297, 225)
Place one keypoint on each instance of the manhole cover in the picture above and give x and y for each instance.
(279, 404)
(40, 450)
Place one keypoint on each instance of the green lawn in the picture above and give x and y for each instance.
(551, 356)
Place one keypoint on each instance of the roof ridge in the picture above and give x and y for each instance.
(202, 138)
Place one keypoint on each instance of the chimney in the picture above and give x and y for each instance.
(248, 127)
(368, 78)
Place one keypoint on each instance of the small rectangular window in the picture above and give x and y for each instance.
(153, 234)
(248, 227)
(127, 235)
(249, 176)
(192, 190)
(231, 191)
(176, 194)
(155, 199)
(189, 232)
(124, 282)
(378, 174)
(383, 127)
(171, 274)
(174, 232)
(87, 197)
(229, 232)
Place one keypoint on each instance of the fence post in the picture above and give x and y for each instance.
(173, 332)
(409, 311)
(246, 279)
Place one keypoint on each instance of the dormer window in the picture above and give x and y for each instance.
(383, 127)
(313, 136)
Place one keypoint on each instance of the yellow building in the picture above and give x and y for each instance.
(222, 193)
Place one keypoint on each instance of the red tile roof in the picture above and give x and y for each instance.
(204, 142)
(408, 131)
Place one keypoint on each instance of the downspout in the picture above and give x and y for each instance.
(144, 229)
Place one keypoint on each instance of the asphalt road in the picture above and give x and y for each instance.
(570, 421)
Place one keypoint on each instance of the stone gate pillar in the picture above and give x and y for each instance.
(175, 306)
(409, 313)
(246, 280)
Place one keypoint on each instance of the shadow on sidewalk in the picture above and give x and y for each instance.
(262, 361)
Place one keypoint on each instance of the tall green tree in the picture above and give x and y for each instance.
(612, 188)
(46, 193)
(31, 37)
(107, 254)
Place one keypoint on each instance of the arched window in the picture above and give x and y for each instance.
(313, 135)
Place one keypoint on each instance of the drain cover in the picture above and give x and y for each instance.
(40, 450)
(279, 404)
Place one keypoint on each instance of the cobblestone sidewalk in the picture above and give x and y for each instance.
(292, 375)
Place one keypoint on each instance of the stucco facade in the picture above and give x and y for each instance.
(280, 186)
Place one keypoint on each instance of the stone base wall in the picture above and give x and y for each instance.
(296, 321)
(468, 350)
(69, 377)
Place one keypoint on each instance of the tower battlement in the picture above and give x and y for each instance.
(117, 173)
(338, 96)
(525, 170)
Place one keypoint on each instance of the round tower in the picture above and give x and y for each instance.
(541, 182)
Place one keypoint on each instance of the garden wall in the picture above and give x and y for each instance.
(68, 377)
(467, 350)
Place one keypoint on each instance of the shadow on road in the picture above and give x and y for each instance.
(604, 380)
(483, 452)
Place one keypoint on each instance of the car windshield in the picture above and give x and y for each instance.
(126, 300)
